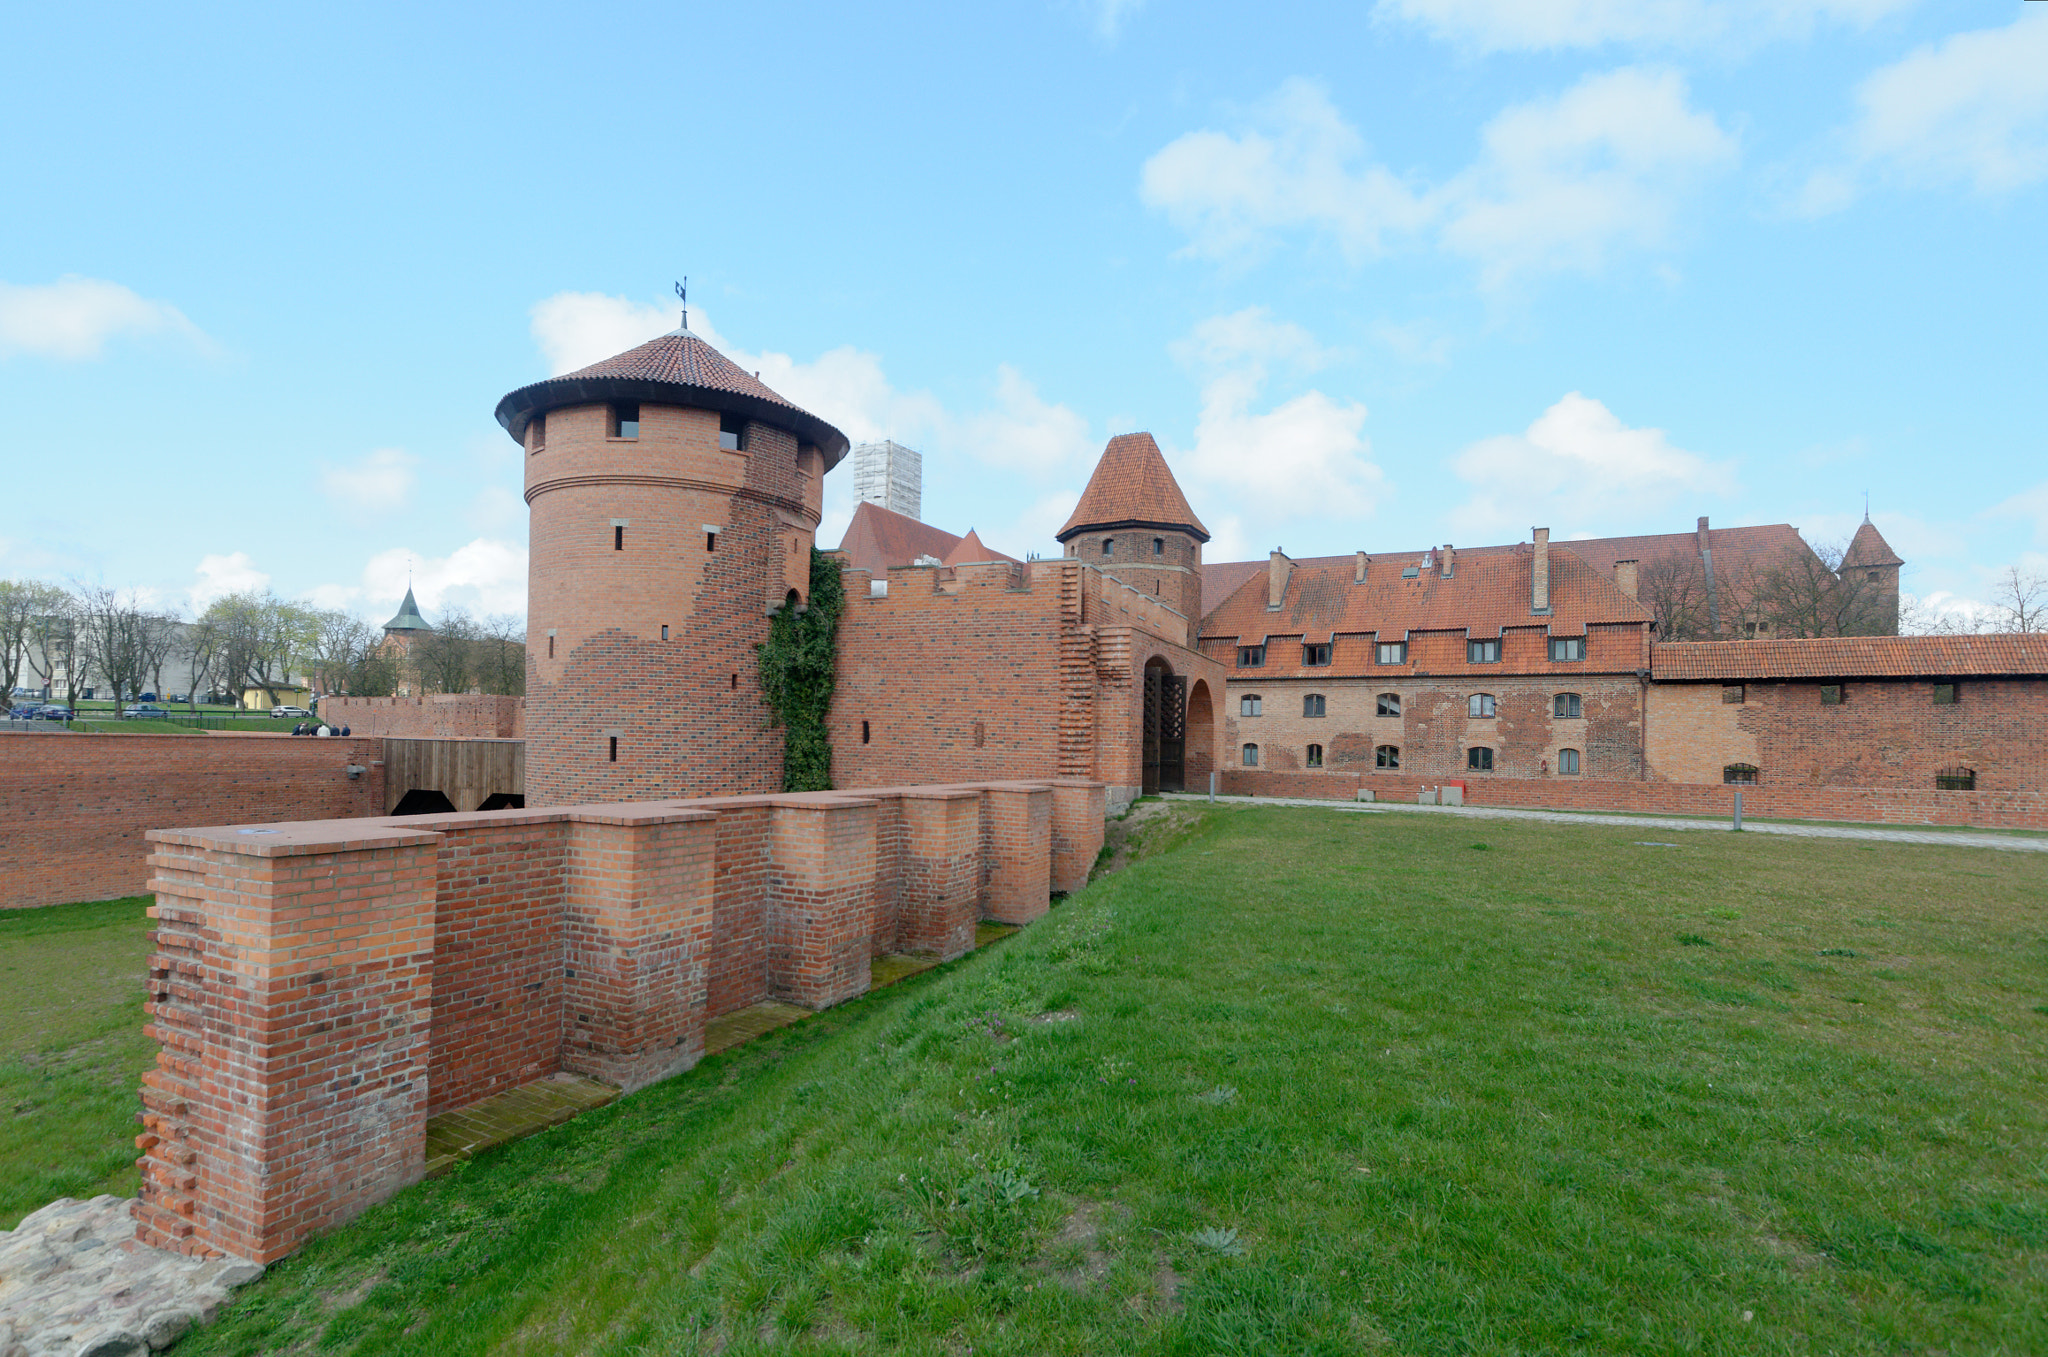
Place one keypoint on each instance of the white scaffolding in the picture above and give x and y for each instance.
(889, 474)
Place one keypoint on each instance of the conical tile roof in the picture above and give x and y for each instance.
(679, 368)
(1868, 548)
(1132, 488)
(408, 618)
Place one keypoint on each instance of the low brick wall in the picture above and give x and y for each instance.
(319, 989)
(464, 716)
(74, 808)
(1876, 805)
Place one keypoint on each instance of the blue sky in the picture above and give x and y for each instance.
(1377, 276)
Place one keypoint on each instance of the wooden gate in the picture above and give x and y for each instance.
(1166, 726)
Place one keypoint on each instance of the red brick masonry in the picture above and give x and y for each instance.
(319, 989)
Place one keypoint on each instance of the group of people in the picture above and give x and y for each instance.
(317, 728)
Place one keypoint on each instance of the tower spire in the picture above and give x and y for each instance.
(683, 294)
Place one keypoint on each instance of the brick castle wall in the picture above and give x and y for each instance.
(449, 716)
(319, 988)
(76, 807)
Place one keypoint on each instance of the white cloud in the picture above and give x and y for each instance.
(1972, 109)
(1558, 183)
(220, 576)
(495, 508)
(2029, 506)
(1562, 182)
(1302, 459)
(1577, 468)
(1548, 25)
(576, 329)
(486, 575)
(378, 483)
(1111, 14)
(74, 317)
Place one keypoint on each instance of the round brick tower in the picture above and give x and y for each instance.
(673, 499)
(1135, 524)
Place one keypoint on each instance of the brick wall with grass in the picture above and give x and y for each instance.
(1877, 805)
(320, 988)
(76, 807)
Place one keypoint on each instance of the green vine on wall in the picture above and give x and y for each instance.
(796, 678)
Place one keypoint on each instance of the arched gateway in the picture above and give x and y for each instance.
(1165, 717)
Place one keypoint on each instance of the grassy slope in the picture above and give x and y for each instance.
(1455, 1088)
(72, 1051)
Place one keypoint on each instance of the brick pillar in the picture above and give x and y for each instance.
(820, 900)
(291, 992)
(635, 939)
(1077, 816)
(1017, 875)
(941, 872)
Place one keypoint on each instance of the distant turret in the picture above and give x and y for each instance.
(1134, 523)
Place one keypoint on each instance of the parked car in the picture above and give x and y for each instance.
(294, 713)
(22, 714)
(144, 711)
(55, 711)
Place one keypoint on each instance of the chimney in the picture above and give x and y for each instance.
(1625, 577)
(1539, 574)
(1358, 570)
(1705, 544)
(1278, 568)
(1446, 560)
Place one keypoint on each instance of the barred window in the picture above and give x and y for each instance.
(1740, 773)
(1387, 756)
(1312, 704)
(1315, 756)
(1568, 705)
(1956, 779)
(1390, 704)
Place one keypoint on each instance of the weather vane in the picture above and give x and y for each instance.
(683, 292)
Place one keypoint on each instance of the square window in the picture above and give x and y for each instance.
(732, 432)
(1250, 756)
(1567, 647)
(1312, 704)
(1390, 704)
(1480, 706)
(1732, 694)
(626, 419)
(1315, 756)
(1831, 694)
(1251, 657)
(1393, 652)
(1482, 652)
(1479, 759)
(1249, 706)
(1318, 654)
(1387, 756)
(1568, 762)
(1945, 694)
(1568, 705)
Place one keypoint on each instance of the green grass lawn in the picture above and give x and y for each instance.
(72, 1051)
(1310, 1083)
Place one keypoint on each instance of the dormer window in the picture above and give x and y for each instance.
(1482, 652)
(1251, 657)
(732, 433)
(1315, 654)
(626, 419)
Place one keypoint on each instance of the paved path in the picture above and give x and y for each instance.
(2012, 843)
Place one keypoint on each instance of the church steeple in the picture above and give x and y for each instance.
(408, 619)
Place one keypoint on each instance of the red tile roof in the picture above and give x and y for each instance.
(1132, 487)
(1868, 548)
(1851, 657)
(878, 538)
(1484, 594)
(969, 549)
(1223, 578)
(691, 369)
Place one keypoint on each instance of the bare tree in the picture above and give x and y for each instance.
(347, 657)
(1674, 589)
(501, 654)
(23, 604)
(111, 639)
(1809, 594)
(2021, 600)
(446, 656)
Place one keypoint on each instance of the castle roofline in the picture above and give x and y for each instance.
(1132, 488)
(679, 368)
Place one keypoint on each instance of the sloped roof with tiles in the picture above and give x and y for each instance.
(677, 369)
(878, 538)
(969, 549)
(1868, 548)
(1483, 594)
(1132, 488)
(1839, 657)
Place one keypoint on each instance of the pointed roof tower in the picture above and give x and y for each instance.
(1868, 548)
(1132, 488)
(408, 618)
(969, 550)
(677, 369)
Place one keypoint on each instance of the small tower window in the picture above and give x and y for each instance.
(710, 542)
(618, 537)
(1109, 546)
(626, 419)
(551, 645)
(537, 433)
(732, 433)
(863, 732)
(1159, 546)
(664, 631)
(615, 749)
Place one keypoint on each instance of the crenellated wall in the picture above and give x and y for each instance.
(320, 988)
